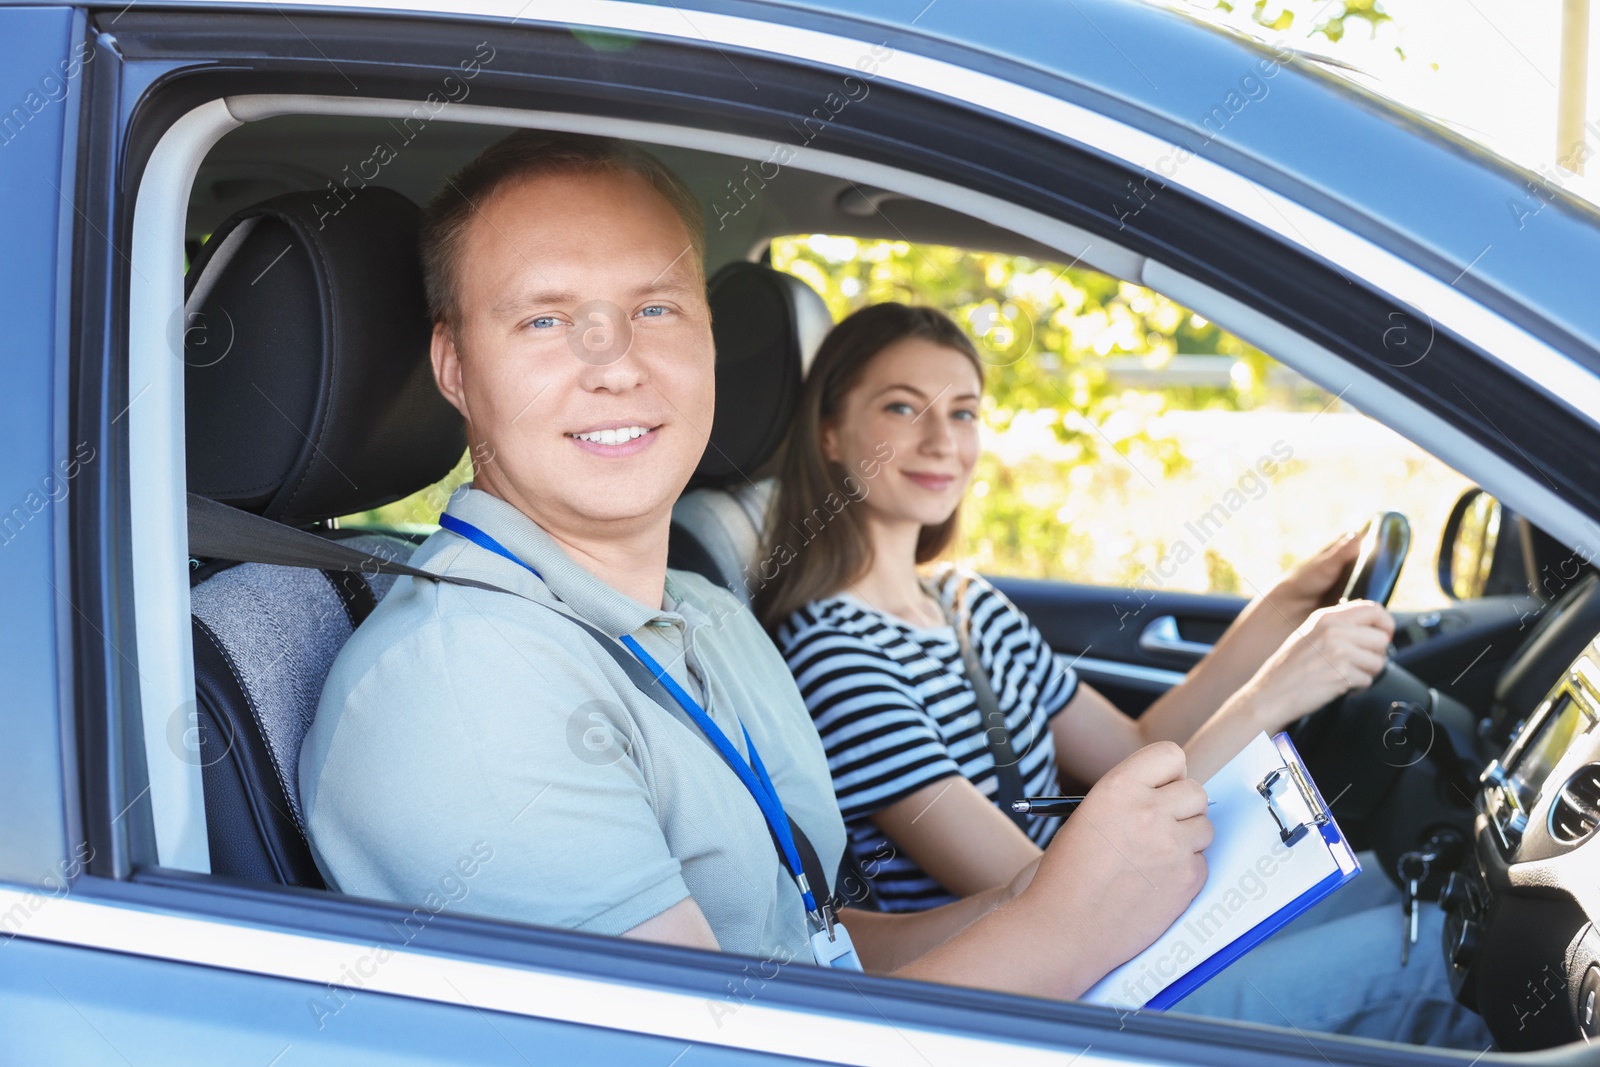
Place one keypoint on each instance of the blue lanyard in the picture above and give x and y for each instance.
(752, 774)
(465, 529)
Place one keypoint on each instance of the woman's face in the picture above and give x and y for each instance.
(920, 399)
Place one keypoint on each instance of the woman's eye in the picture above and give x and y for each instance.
(900, 407)
(964, 413)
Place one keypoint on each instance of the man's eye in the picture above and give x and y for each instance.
(544, 322)
(653, 311)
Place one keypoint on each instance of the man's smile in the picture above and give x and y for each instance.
(616, 439)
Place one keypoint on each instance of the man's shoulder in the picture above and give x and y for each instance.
(427, 639)
(702, 592)
(725, 609)
(436, 669)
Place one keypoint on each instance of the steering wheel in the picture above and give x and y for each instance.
(1337, 740)
(1377, 567)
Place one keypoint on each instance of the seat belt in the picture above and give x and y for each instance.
(217, 531)
(996, 733)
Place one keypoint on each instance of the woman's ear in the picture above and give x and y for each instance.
(829, 439)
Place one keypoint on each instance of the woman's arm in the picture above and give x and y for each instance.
(873, 723)
(1137, 841)
(958, 836)
(1231, 694)
(1092, 735)
(1261, 628)
(1333, 651)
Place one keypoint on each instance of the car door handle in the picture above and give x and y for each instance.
(1161, 636)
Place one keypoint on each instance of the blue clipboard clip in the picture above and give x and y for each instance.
(1293, 777)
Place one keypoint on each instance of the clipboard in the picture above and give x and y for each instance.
(1273, 831)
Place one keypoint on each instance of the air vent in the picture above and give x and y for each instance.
(1576, 810)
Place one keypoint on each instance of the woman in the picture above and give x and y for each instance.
(871, 481)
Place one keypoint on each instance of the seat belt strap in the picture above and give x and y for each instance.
(217, 531)
(996, 733)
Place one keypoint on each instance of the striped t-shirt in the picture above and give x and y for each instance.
(896, 712)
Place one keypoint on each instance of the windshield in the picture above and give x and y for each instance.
(1512, 77)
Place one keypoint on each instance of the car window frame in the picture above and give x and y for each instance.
(193, 895)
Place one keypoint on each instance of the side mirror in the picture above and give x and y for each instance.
(1481, 553)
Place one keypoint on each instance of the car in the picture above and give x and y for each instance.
(157, 898)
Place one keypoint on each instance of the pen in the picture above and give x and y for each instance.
(1053, 805)
(1046, 805)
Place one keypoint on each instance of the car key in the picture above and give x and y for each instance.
(1413, 870)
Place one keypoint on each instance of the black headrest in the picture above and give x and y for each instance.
(767, 326)
(308, 391)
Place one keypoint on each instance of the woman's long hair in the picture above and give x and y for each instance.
(816, 538)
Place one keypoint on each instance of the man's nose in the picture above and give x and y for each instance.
(603, 340)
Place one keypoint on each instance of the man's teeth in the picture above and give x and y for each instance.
(613, 437)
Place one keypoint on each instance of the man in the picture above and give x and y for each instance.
(565, 280)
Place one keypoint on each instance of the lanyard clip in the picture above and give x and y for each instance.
(822, 914)
(822, 918)
(834, 948)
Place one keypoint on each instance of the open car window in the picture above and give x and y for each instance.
(1131, 441)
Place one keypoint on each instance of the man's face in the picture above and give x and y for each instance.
(583, 361)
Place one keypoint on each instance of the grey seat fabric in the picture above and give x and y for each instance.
(727, 525)
(768, 326)
(278, 630)
(324, 406)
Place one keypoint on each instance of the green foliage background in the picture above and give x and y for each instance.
(1050, 334)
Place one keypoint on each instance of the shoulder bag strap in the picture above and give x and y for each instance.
(996, 734)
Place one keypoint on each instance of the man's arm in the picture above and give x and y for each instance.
(1119, 872)
(682, 924)
(887, 943)
(890, 942)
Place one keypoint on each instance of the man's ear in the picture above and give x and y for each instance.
(447, 367)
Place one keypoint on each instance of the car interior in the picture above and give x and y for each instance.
(308, 396)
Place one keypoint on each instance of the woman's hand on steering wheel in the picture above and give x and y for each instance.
(1336, 649)
(1317, 582)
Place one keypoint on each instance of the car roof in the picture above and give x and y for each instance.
(1362, 156)
(1503, 235)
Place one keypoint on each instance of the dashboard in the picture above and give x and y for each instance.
(1519, 934)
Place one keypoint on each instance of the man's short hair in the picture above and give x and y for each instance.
(522, 156)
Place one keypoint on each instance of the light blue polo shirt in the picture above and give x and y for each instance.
(463, 730)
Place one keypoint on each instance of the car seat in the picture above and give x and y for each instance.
(308, 395)
(767, 326)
